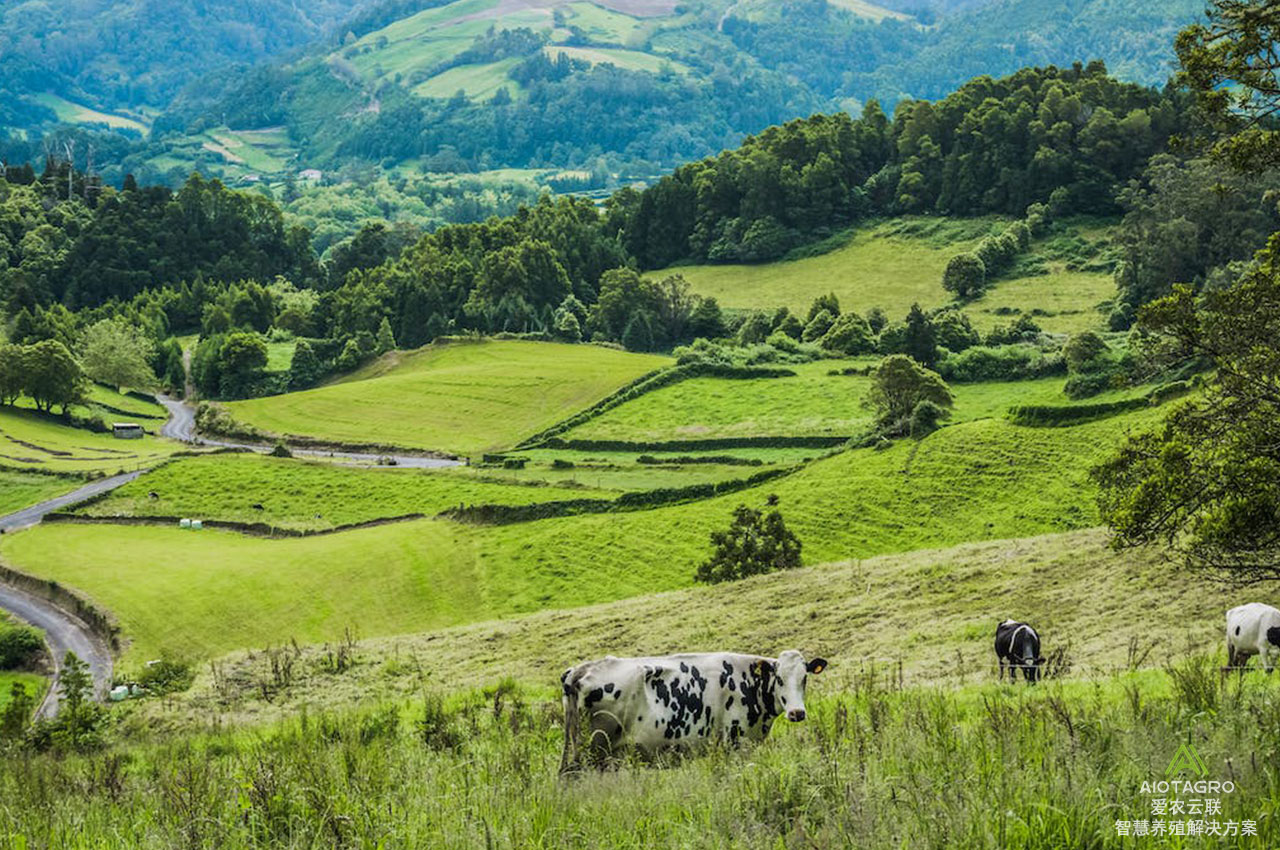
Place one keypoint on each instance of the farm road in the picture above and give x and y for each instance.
(35, 513)
(63, 632)
(182, 426)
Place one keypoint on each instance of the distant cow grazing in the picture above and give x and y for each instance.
(1018, 645)
(684, 701)
(1253, 629)
(257, 506)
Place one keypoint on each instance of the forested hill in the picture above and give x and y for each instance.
(616, 89)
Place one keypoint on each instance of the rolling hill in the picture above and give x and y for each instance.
(465, 397)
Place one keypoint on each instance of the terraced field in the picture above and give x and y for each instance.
(32, 441)
(982, 480)
(306, 495)
(22, 489)
(465, 398)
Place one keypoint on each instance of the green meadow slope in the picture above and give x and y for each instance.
(900, 262)
(463, 397)
(201, 594)
(34, 441)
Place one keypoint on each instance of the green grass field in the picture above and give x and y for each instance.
(631, 60)
(30, 441)
(983, 480)
(131, 405)
(280, 356)
(464, 398)
(899, 262)
(23, 489)
(75, 113)
(811, 404)
(305, 494)
(34, 683)
(478, 81)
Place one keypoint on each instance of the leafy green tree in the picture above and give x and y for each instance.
(819, 324)
(707, 321)
(849, 334)
(1230, 63)
(566, 326)
(754, 543)
(351, 357)
(1206, 482)
(898, 385)
(115, 353)
(173, 366)
(638, 335)
(920, 341)
(755, 329)
(53, 377)
(1082, 349)
(385, 340)
(623, 293)
(954, 331)
(13, 371)
(965, 275)
(242, 360)
(305, 369)
(877, 320)
(827, 302)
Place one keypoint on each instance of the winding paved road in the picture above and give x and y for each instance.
(35, 513)
(63, 632)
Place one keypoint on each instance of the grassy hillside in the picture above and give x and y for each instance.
(813, 403)
(463, 398)
(981, 480)
(32, 441)
(932, 611)
(900, 262)
(22, 489)
(308, 495)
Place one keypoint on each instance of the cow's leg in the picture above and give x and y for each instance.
(1231, 655)
(569, 760)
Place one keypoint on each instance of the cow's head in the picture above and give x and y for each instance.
(788, 681)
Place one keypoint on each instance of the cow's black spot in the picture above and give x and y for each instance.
(608, 687)
(733, 686)
(728, 704)
(594, 697)
(684, 668)
(726, 674)
(1273, 636)
(1237, 631)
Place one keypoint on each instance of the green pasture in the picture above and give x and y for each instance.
(35, 441)
(899, 262)
(130, 405)
(280, 356)
(621, 471)
(202, 593)
(307, 495)
(19, 490)
(631, 60)
(74, 113)
(874, 765)
(813, 403)
(478, 81)
(468, 397)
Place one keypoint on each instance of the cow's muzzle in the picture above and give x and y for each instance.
(795, 715)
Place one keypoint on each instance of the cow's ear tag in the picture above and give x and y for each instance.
(817, 665)
(758, 668)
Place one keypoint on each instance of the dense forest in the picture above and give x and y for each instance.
(1035, 146)
(681, 87)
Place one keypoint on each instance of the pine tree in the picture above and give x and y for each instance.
(386, 340)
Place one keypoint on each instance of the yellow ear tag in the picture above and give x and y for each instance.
(819, 668)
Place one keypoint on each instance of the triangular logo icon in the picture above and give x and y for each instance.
(1186, 758)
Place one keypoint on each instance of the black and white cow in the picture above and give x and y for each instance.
(682, 701)
(1018, 645)
(1253, 629)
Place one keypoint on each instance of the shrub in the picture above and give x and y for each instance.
(20, 646)
(954, 331)
(561, 463)
(898, 385)
(1000, 363)
(753, 544)
(281, 450)
(1083, 349)
(849, 334)
(965, 275)
(926, 418)
(818, 326)
(513, 462)
(167, 676)
(1024, 329)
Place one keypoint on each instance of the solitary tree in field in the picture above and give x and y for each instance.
(900, 385)
(53, 377)
(753, 544)
(920, 341)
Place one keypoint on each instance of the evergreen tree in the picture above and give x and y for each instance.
(386, 341)
(754, 543)
(305, 369)
(920, 342)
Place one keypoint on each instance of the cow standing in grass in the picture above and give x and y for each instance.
(1253, 629)
(681, 701)
(1018, 646)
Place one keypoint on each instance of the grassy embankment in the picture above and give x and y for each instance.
(900, 262)
(980, 480)
(467, 397)
(952, 759)
(38, 442)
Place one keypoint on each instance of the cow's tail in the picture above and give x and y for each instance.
(1273, 636)
(569, 759)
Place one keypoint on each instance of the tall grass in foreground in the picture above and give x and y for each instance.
(987, 766)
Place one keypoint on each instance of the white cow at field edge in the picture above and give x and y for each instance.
(1253, 629)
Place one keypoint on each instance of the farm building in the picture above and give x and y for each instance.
(126, 431)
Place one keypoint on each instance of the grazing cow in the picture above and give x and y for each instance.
(1018, 645)
(682, 701)
(153, 495)
(257, 506)
(1253, 629)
